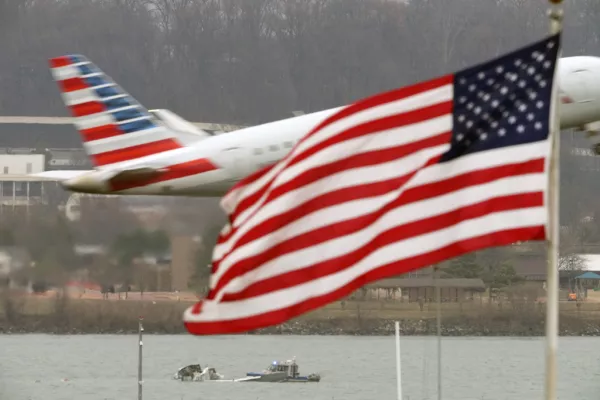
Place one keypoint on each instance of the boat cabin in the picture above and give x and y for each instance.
(289, 367)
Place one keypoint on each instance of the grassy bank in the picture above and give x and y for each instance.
(62, 315)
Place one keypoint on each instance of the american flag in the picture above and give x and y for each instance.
(396, 182)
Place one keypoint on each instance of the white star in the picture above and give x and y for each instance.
(532, 95)
(480, 75)
(483, 136)
(537, 77)
(469, 106)
(550, 45)
(502, 132)
(504, 90)
(518, 62)
(471, 87)
(499, 69)
(547, 64)
(512, 97)
(531, 70)
(539, 104)
(486, 97)
(485, 116)
(535, 54)
(462, 81)
(542, 83)
(523, 107)
(540, 58)
(530, 116)
(459, 137)
(538, 125)
(505, 114)
(495, 103)
(477, 110)
(512, 119)
(522, 84)
(494, 124)
(469, 124)
(461, 118)
(480, 94)
(520, 129)
(490, 81)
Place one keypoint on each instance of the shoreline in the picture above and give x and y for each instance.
(451, 327)
(64, 316)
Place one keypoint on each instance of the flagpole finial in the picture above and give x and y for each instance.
(555, 13)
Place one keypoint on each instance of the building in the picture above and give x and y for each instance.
(414, 289)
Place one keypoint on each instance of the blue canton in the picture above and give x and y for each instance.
(505, 101)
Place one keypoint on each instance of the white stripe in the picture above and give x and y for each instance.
(143, 117)
(83, 95)
(123, 141)
(342, 179)
(93, 121)
(214, 311)
(483, 160)
(362, 144)
(424, 99)
(66, 72)
(339, 246)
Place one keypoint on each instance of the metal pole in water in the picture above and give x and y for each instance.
(398, 364)
(438, 297)
(141, 345)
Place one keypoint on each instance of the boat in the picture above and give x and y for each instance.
(194, 372)
(281, 372)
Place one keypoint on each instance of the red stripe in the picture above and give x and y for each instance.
(370, 127)
(88, 108)
(100, 132)
(58, 62)
(383, 98)
(350, 226)
(133, 152)
(72, 84)
(499, 238)
(176, 171)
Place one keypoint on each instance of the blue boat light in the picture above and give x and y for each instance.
(274, 362)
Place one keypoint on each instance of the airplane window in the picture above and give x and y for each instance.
(288, 144)
(273, 147)
(258, 151)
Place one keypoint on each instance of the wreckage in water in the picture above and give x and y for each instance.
(194, 372)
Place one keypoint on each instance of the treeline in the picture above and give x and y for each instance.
(251, 61)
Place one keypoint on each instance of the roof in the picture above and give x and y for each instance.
(462, 283)
(588, 275)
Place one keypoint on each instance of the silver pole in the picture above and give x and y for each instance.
(555, 13)
(438, 318)
(141, 345)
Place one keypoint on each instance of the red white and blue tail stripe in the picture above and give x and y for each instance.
(114, 127)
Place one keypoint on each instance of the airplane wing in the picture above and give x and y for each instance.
(114, 176)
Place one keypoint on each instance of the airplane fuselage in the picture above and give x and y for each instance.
(237, 154)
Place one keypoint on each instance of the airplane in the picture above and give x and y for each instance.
(139, 152)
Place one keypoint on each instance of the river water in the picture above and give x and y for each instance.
(352, 368)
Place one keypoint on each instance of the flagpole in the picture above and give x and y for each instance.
(438, 318)
(555, 14)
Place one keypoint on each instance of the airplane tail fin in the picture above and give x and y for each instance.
(114, 127)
